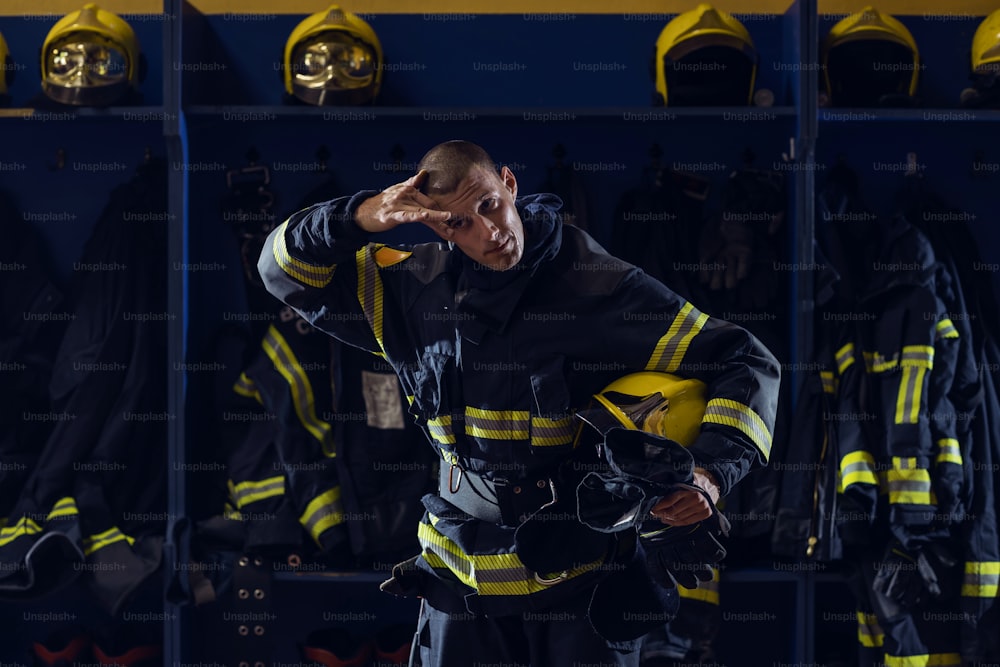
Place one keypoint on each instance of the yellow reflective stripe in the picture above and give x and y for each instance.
(488, 574)
(93, 543)
(949, 451)
(251, 491)
(440, 430)
(845, 357)
(286, 363)
(908, 397)
(497, 424)
(370, 291)
(981, 579)
(857, 468)
(829, 382)
(907, 484)
(62, 508)
(671, 348)
(925, 660)
(323, 512)
(921, 356)
(707, 591)
(946, 329)
(552, 432)
(876, 363)
(23, 527)
(449, 457)
(310, 274)
(244, 386)
(732, 413)
(869, 631)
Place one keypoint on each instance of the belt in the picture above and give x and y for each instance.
(500, 501)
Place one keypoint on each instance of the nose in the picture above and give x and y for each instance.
(490, 228)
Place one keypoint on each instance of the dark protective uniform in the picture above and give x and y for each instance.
(494, 365)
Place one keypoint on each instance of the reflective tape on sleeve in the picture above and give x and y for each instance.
(845, 357)
(253, 491)
(707, 591)
(323, 512)
(907, 484)
(670, 349)
(949, 451)
(440, 430)
(946, 329)
(981, 579)
(869, 631)
(857, 468)
(731, 413)
(22, 528)
(308, 274)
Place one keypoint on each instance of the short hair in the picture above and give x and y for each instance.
(449, 162)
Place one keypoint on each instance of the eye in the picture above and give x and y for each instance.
(456, 223)
(488, 204)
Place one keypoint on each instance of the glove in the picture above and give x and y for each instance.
(683, 555)
(642, 469)
(907, 577)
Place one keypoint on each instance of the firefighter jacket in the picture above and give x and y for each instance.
(95, 503)
(494, 364)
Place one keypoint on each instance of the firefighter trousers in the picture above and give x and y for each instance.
(559, 636)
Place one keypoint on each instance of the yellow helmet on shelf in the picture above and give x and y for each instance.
(657, 403)
(870, 59)
(986, 46)
(704, 57)
(90, 58)
(333, 58)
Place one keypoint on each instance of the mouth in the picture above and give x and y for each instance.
(500, 248)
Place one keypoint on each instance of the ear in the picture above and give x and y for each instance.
(509, 182)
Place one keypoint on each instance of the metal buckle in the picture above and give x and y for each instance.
(562, 576)
(451, 474)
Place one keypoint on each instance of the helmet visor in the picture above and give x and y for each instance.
(710, 76)
(85, 68)
(870, 73)
(332, 65)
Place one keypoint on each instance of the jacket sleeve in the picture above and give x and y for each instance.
(311, 262)
(657, 330)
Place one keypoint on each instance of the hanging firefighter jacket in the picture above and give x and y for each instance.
(889, 428)
(95, 501)
(974, 311)
(494, 365)
(30, 330)
(278, 445)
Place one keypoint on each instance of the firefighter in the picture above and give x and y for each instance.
(499, 336)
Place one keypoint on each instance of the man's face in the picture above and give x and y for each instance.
(484, 222)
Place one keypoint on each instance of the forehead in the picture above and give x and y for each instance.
(476, 185)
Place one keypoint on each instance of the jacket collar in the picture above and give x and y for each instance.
(491, 296)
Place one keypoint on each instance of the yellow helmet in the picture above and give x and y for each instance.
(870, 59)
(90, 57)
(657, 403)
(333, 57)
(7, 64)
(704, 57)
(986, 46)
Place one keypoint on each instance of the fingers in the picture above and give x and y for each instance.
(682, 508)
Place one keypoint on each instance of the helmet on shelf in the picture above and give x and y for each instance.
(704, 57)
(870, 59)
(333, 58)
(90, 58)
